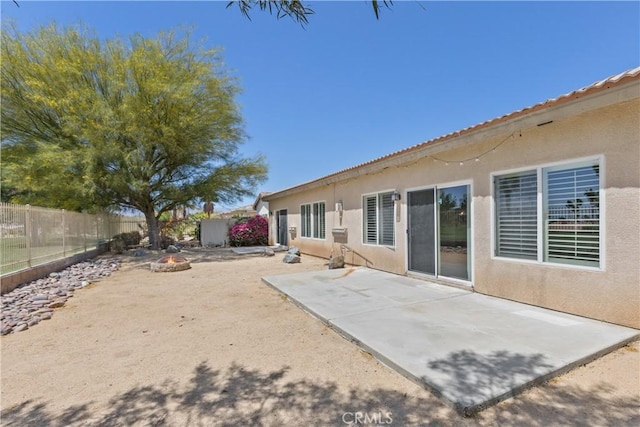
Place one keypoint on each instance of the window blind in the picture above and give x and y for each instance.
(572, 215)
(319, 230)
(517, 215)
(370, 219)
(305, 213)
(387, 219)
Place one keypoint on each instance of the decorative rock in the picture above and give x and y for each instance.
(336, 262)
(139, 252)
(290, 258)
(172, 249)
(21, 327)
(32, 302)
(57, 304)
(294, 251)
(269, 252)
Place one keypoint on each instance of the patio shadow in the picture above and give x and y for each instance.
(473, 381)
(244, 396)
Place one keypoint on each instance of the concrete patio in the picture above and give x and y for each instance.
(470, 349)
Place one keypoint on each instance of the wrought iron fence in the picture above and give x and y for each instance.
(31, 235)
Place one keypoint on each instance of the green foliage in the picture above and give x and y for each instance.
(294, 9)
(122, 241)
(166, 241)
(178, 229)
(148, 124)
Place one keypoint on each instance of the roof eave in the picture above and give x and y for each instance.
(599, 95)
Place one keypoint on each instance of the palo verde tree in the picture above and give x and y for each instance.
(145, 124)
(297, 10)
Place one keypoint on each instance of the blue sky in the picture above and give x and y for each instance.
(349, 88)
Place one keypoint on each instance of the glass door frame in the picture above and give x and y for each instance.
(470, 210)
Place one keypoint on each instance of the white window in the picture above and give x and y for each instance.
(569, 216)
(319, 220)
(572, 214)
(378, 227)
(313, 221)
(517, 215)
(305, 220)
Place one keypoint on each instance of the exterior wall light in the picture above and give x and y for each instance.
(339, 208)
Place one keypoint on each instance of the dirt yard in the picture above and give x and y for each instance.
(214, 346)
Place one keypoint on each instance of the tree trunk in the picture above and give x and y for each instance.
(154, 230)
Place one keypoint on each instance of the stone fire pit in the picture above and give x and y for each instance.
(170, 263)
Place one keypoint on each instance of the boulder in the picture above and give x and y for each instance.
(294, 251)
(172, 249)
(290, 258)
(336, 262)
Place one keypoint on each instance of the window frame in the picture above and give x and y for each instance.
(499, 206)
(378, 230)
(317, 225)
(542, 241)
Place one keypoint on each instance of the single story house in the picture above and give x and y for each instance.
(241, 212)
(541, 206)
(261, 206)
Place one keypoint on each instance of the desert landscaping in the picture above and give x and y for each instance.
(213, 345)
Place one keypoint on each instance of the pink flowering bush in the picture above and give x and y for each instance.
(250, 232)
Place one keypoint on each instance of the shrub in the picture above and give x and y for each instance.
(122, 241)
(250, 232)
(165, 241)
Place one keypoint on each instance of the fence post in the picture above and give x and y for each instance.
(84, 229)
(96, 222)
(64, 234)
(27, 232)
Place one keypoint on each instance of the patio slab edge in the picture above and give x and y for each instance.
(463, 410)
(376, 354)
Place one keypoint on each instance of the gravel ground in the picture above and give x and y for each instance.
(214, 346)
(32, 302)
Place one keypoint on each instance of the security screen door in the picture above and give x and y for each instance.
(438, 232)
(281, 223)
(422, 247)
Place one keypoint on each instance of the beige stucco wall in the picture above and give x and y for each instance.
(611, 293)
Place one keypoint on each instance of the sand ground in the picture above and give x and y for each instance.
(214, 346)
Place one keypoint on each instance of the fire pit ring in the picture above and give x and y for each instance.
(170, 263)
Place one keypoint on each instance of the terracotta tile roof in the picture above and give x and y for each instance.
(600, 85)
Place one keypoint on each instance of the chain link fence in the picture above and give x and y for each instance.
(31, 235)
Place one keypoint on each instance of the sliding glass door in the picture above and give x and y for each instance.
(453, 232)
(439, 232)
